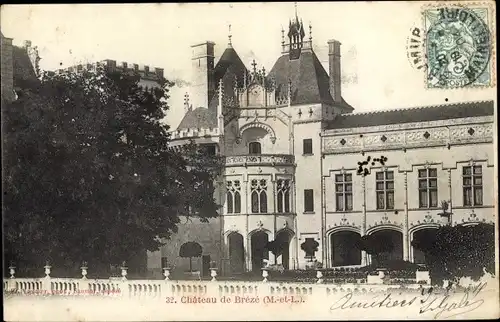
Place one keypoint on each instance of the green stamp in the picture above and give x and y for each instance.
(458, 47)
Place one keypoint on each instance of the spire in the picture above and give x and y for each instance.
(230, 45)
(296, 16)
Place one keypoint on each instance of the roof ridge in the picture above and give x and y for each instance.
(380, 111)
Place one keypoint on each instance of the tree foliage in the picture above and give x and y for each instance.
(190, 250)
(310, 246)
(276, 247)
(377, 245)
(90, 172)
(459, 251)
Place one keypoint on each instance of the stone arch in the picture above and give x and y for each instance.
(236, 252)
(285, 235)
(335, 229)
(258, 239)
(384, 227)
(259, 125)
(421, 231)
(395, 235)
(342, 246)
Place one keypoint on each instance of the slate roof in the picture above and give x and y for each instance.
(410, 115)
(200, 117)
(310, 81)
(228, 66)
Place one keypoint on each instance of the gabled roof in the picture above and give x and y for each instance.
(310, 81)
(410, 115)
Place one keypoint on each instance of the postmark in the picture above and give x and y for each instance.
(457, 47)
(415, 48)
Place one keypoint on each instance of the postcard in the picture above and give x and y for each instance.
(250, 161)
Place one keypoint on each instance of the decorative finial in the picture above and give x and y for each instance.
(282, 36)
(230, 44)
(254, 64)
(296, 9)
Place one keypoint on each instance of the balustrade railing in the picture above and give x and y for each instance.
(123, 287)
(260, 159)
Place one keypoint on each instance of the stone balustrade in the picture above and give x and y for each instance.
(261, 159)
(123, 287)
(194, 133)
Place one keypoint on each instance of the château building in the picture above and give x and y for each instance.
(294, 172)
(149, 77)
(19, 66)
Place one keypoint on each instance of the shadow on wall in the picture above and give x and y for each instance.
(192, 230)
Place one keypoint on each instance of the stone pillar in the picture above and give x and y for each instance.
(272, 196)
(246, 209)
(450, 203)
(364, 259)
(406, 237)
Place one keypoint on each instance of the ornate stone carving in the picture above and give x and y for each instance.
(473, 218)
(386, 222)
(428, 219)
(345, 223)
(407, 137)
(257, 124)
(263, 159)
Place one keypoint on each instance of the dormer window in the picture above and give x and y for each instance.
(254, 148)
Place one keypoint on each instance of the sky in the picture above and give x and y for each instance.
(376, 71)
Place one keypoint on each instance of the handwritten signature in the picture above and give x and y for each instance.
(442, 305)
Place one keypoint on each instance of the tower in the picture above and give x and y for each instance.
(202, 78)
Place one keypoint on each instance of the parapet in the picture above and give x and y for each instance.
(194, 133)
(146, 73)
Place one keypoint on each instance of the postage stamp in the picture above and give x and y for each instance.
(458, 46)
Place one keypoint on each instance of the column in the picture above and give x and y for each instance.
(406, 237)
(324, 242)
(245, 210)
(272, 195)
(364, 256)
(450, 196)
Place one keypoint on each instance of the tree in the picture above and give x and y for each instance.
(90, 172)
(190, 249)
(310, 246)
(459, 251)
(376, 245)
(276, 247)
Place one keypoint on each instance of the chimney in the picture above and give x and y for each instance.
(334, 69)
(202, 78)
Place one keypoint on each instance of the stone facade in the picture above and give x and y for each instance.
(19, 65)
(292, 147)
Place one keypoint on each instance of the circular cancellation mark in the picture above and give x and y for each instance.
(458, 48)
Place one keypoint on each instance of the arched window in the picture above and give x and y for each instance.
(229, 200)
(259, 196)
(237, 202)
(283, 201)
(233, 197)
(254, 148)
